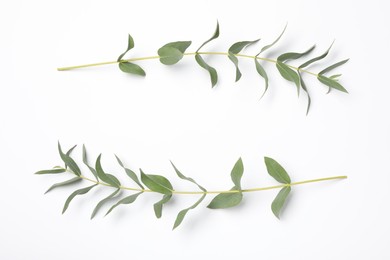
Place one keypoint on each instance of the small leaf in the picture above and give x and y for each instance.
(172, 52)
(159, 205)
(69, 161)
(331, 67)
(272, 44)
(294, 55)
(183, 213)
(215, 35)
(64, 183)
(332, 83)
(130, 45)
(307, 63)
(131, 68)
(85, 161)
(277, 171)
(74, 194)
(103, 201)
(288, 74)
(130, 173)
(71, 150)
(279, 201)
(237, 172)
(157, 183)
(105, 177)
(211, 70)
(234, 59)
(262, 73)
(235, 49)
(226, 200)
(307, 92)
(127, 200)
(335, 76)
(181, 176)
(51, 171)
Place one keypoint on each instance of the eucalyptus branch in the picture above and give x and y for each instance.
(160, 184)
(171, 53)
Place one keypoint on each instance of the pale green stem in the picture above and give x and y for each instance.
(186, 54)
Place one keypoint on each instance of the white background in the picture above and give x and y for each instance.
(173, 114)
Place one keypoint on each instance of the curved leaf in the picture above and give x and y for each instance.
(183, 213)
(331, 83)
(211, 70)
(294, 55)
(51, 171)
(131, 68)
(272, 44)
(130, 45)
(331, 67)
(235, 49)
(307, 63)
(127, 200)
(64, 183)
(157, 183)
(215, 35)
(226, 200)
(172, 52)
(69, 161)
(130, 173)
(307, 92)
(277, 171)
(159, 205)
(103, 201)
(181, 176)
(280, 200)
(262, 73)
(105, 177)
(85, 161)
(236, 174)
(288, 74)
(74, 194)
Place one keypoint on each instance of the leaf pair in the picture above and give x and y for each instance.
(127, 66)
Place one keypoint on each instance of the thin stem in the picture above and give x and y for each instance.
(185, 54)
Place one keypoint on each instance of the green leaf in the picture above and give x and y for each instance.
(103, 201)
(235, 49)
(226, 200)
(331, 67)
(332, 83)
(64, 183)
(105, 177)
(181, 176)
(211, 70)
(183, 213)
(69, 161)
(288, 74)
(85, 161)
(215, 35)
(277, 171)
(172, 52)
(159, 205)
(131, 68)
(74, 194)
(294, 55)
(51, 171)
(262, 73)
(71, 150)
(130, 45)
(307, 92)
(335, 76)
(280, 200)
(127, 200)
(157, 183)
(307, 63)
(272, 44)
(237, 172)
(130, 173)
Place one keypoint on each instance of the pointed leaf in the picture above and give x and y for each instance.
(130, 173)
(71, 150)
(159, 205)
(215, 35)
(226, 200)
(131, 68)
(288, 74)
(105, 177)
(183, 213)
(211, 70)
(234, 59)
(157, 183)
(103, 201)
(272, 44)
(335, 76)
(130, 45)
(69, 161)
(331, 67)
(277, 171)
(307, 63)
(235, 49)
(64, 183)
(307, 92)
(51, 171)
(294, 55)
(74, 194)
(237, 172)
(172, 52)
(280, 200)
(262, 73)
(181, 176)
(127, 200)
(85, 161)
(332, 83)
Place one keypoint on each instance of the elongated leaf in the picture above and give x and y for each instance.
(181, 176)
(235, 49)
(85, 161)
(262, 73)
(280, 200)
(277, 171)
(172, 52)
(183, 213)
(335, 76)
(307, 63)
(105, 177)
(237, 172)
(273, 43)
(69, 161)
(51, 171)
(157, 183)
(307, 92)
(226, 200)
(103, 201)
(211, 70)
(64, 183)
(127, 200)
(331, 67)
(331, 83)
(131, 68)
(159, 205)
(130, 173)
(294, 55)
(74, 194)
(215, 35)
(130, 45)
(68, 153)
(288, 74)
(234, 59)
